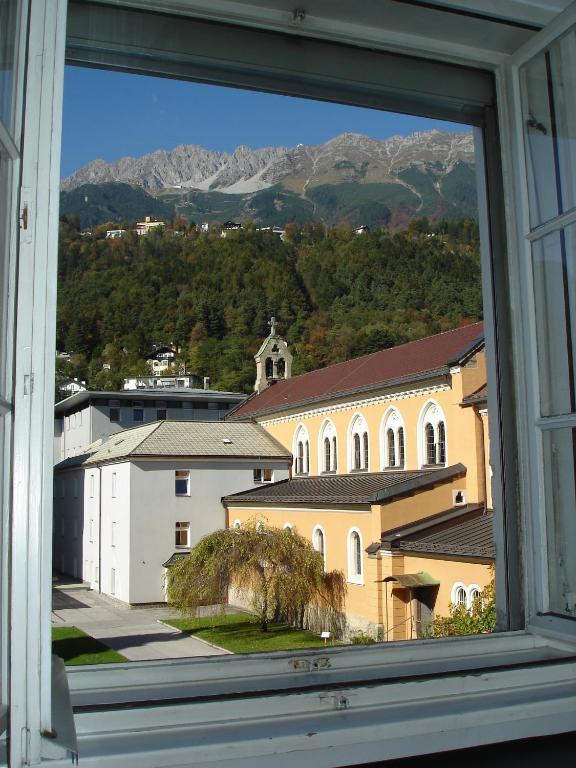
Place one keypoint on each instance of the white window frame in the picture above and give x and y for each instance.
(393, 420)
(181, 477)
(431, 413)
(319, 529)
(358, 426)
(182, 526)
(301, 464)
(488, 695)
(327, 432)
(353, 576)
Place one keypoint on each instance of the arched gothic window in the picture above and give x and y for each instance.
(281, 368)
(358, 445)
(355, 556)
(433, 446)
(430, 444)
(319, 542)
(269, 368)
(301, 451)
(327, 447)
(392, 440)
(357, 456)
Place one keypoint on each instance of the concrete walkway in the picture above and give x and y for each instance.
(136, 633)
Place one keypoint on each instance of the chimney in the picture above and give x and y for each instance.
(206, 382)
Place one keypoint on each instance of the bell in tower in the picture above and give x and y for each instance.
(273, 360)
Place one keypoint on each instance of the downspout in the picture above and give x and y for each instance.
(99, 530)
(483, 454)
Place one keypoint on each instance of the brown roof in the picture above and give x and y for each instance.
(430, 356)
(354, 488)
(479, 397)
(466, 531)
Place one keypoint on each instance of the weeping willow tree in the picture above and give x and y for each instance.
(276, 571)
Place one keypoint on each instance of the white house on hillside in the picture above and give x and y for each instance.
(85, 417)
(147, 494)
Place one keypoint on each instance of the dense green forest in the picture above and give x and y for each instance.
(336, 295)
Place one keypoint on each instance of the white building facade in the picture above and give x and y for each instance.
(136, 502)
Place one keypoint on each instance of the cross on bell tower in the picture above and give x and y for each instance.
(273, 360)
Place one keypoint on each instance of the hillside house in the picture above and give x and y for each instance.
(147, 226)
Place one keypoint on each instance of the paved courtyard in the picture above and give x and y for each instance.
(136, 633)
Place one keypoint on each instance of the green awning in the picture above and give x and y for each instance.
(413, 580)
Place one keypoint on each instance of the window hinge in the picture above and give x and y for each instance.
(25, 748)
(28, 383)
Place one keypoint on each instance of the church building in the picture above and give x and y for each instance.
(390, 475)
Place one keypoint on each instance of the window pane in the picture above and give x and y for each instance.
(7, 33)
(560, 491)
(4, 272)
(563, 68)
(554, 261)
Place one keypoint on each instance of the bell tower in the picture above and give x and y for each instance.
(273, 360)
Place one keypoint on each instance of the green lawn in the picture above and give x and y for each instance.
(240, 633)
(76, 647)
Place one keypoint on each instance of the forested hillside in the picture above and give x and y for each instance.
(335, 295)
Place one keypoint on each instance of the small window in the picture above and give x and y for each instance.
(112, 581)
(91, 531)
(441, 443)
(334, 455)
(327, 457)
(401, 449)
(91, 486)
(430, 444)
(138, 414)
(161, 414)
(459, 595)
(182, 534)
(114, 414)
(182, 482)
(391, 448)
(263, 475)
(114, 487)
(357, 464)
(355, 557)
(236, 524)
(113, 534)
(212, 406)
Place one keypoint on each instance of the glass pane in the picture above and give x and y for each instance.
(554, 260)
(4, 252)
(539, 141)
(7, 34)
(560, 490)
(563, 68)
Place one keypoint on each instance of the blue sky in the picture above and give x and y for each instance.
(110, 115)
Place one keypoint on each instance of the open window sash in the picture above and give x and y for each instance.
(542, 78)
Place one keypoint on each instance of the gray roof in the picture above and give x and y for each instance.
(185, 439)
(354, 488)
(463, 531)
(174, 393)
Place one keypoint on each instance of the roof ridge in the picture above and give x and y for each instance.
(155, 424)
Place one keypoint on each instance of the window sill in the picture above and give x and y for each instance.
(338, 706)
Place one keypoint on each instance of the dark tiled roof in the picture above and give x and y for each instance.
(357, 488)
(479, 397)
(466, 531)
(416, 360)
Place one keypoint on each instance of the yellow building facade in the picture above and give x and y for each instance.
(379, 444)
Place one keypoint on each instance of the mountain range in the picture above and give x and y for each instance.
(349, 180)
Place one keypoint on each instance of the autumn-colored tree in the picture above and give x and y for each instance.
(276, 571)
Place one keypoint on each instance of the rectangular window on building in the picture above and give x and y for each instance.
(114, 488)
(114, 414)
(138, 414)
(91, 531)
(91, 486)
(113, 534)
(112, 581)
(182, 482)
(182, 535)
(161, 414)
(263, 475)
